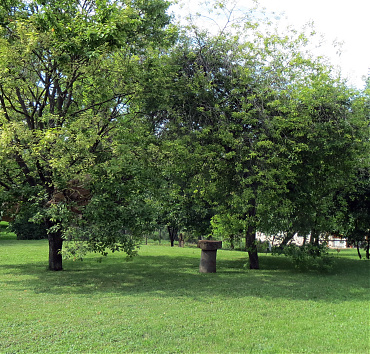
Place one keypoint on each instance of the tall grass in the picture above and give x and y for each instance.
(159, 302)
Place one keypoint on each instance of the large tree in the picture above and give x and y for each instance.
(270, 126)
(69, 71)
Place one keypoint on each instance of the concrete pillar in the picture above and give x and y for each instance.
(208, 255)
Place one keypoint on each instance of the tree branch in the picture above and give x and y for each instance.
(26, 171)
(4, 185)
(2, 102)
(29, 119)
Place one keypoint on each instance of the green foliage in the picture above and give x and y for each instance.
(3, 226)
(25, 229)
(309, 257)
(229, 229)
(263, 246)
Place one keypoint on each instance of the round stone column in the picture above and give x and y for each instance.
(208, 255)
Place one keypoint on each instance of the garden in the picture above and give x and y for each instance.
(124, 131)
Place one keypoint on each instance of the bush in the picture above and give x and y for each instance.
(263, 246)
(26, 230)
(308, 257)
(4, 226)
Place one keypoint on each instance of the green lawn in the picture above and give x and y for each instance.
(159, 303)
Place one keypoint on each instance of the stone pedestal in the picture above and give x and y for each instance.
(208, 256)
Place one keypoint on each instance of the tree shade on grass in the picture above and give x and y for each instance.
(158, 302)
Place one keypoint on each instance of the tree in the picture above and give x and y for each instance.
(353, 200)
(69, 71)
(327, 153)
(356, 220)
(206, 115)
(269, 126)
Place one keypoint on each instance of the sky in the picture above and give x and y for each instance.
(338, 20)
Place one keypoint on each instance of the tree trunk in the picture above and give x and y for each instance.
(304, 240)
(312, 237)
(55, 248)
(250, 237)
(358, 249)
(232, 242)
(250, 243)
(172, 232)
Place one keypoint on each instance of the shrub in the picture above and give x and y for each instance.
(26, 230)
(308, 257)
(3, 226)
(263, 246)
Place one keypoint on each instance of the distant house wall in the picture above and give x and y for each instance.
(337, 242)
(333, 241)
(298, 240)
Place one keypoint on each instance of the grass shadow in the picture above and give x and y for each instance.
(178, 276)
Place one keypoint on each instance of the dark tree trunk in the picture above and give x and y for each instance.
(304, 240)
(314, 240)
(250, 236)
(250, 243)
(358, 249)
(55, 248)
(172, 232)
(232, 242)
(250, 239)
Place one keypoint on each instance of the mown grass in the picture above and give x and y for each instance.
(159, 303)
